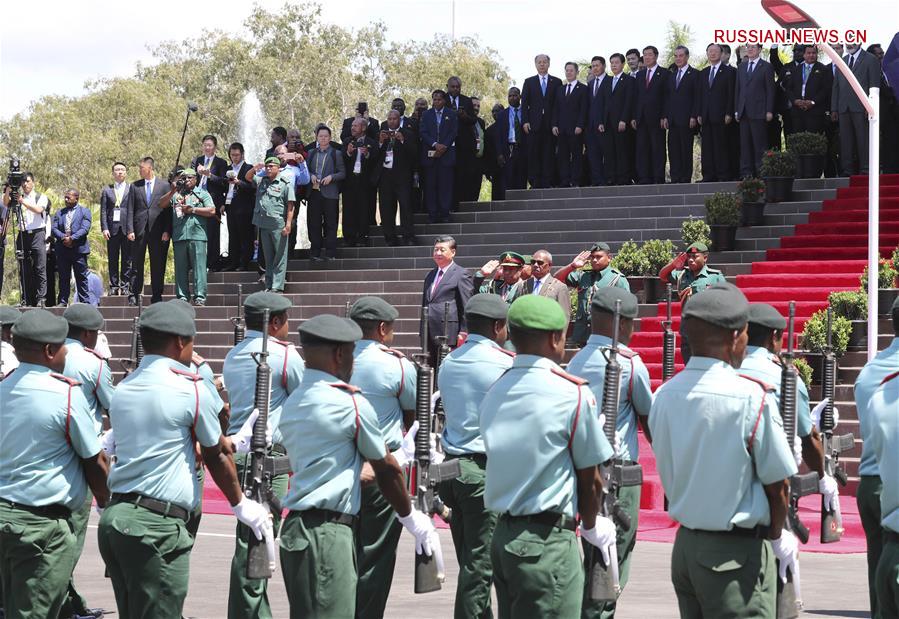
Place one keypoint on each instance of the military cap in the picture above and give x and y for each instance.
(188, 172)
(39, 325)
(722, 305)
(487, 305)
(169, 317)
(539, 313)
(184, 305)
(269, 160)
(329, 328)
(765, 315)
(8, 315)
(698, 246)
(604, 300)
(84, 316)
(600, 246)
(511, 259)
(373, 308)
(258, 301)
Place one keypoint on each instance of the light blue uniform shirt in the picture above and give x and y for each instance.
(465, 376)
(328, 428)
(635, 392)
(539, 428)
(760, 363)
(92, 371)
(884, 363)
(155, 413)
(202, 368)
(387, 381)
(883, 421)
(47, 427)
(702, 423)
(239, 373)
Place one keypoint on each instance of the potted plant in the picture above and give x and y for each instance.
(887, 286)
(853, 306)
(752, 199)
(814, 340)
(723, 216)
(631, 261)
(804, 370)
(778, 169)
(657, 253)
(810, 149)
(695, 230)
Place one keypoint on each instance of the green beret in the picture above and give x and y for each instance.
(539, 313)
(511, 259)
(329, 328)
(188, 172)
(604, 300)
(269, 160)
(83, 316)
(169, 317)
(373, 308)
(600, 246)
(39, 325)
(764, 315)
(184, 305)
(487, 305)
(8, 315)
(258, 301)
(698, 246)
(722, 305)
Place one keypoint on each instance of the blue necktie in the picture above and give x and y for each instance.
(543, 85)
(149, 192)
(537, 285)
(712, 76)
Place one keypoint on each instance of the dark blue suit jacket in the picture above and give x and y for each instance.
(501, 133)
(570, 112)
(754, 96)
(445, 134)
(107, 206)
(595, 104)
(649, 101)
(81, 225)
(682, 102)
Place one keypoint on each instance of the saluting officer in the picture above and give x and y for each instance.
(388, 381)
(49, 455)
(543, 441)
(509, 285)
(248, 598)
(464, 377)
(725, 464)
(8, 361)
(329, 428)
(635, 400)
(158, 413)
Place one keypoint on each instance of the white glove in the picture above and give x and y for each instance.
(602, 535)
(406, 452)
(255, 516)
(827, 486)
(819, 409)
(786, 549)
(98, 509)
(107, 442)
(434, 397)
(422, 528)
(244, 436)
(797, 450)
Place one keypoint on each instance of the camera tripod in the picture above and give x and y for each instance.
(15, 210)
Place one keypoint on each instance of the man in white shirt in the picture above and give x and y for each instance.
(35, 216)
(8, 360)
(115, 200)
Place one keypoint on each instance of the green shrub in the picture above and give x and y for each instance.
(751, 190)
(805, 371)
(630, 259)
(657, 253)
(851, 304)
(722, 209)
(694, 230)
(814, 336)
(776, 163)
(807, 143)
(886, 275)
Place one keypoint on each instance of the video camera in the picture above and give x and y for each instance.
(177, 179)
(16, 177)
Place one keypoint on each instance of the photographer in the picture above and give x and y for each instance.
(193, 210)
(327, 171)
(359, 160)
(35, 216)
(396, 163)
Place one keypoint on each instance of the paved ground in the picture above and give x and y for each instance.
(833, 585)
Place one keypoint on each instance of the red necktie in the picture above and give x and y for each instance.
(437, 281)
(648, 77)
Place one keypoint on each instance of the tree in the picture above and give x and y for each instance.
(677, 34)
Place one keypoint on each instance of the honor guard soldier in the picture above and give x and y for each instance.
(508, 286)
(388, 381)
(725, 464)
(329, 428)
(543, 441)
(8, 361)
(464, 377)
(870, 486)
(248, 598)
(600, 275)
(49, 455)
(158, 413)
(633, 408)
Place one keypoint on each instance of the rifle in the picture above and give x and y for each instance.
(346, 312)
(616, 473)
(668, 341)
(443, 350)
(425, 476)
(831, 523)
(240, 327)
(137, 345)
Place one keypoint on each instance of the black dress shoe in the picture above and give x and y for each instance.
(316, 258)
(411, 240)
(132, 301)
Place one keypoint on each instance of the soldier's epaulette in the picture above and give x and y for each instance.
(71, 381)
(198, 360)
(768, 388)
(95, 353)
(889, 377)
(627, 353)
(283, 343)
(346, 387)
(504, 351)
(713, 271)
(393, 351)
(577, 380)
(776, 360)
(186, 374)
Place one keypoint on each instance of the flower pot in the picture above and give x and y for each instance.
(637, 285)
(809, 166)
(653, 289)
(858, 337)
(885, 299)
(753, 213)
(779, 188)
(816, 362)
(724, 238)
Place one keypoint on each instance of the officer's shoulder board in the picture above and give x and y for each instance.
(95, 353)
(70, 381)
(889, 377)
(346, 387)
(627, 353)
(284, 343)
(577, 380)
(775, 360)
(393, 351)
(712, 271)
(198, 360)
(504, 351)
(186, 374)
(765, 386)
(767, 389)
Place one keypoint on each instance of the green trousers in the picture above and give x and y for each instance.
(318, 560)
(37, 556)
(193, 525)
(75, 603)
(629, 498)
(147, 556)
(537, 570)
(274, 247)
(376, 542)
(190, 255)
(249, 598)
(887, 580)
(722, 575)
(472, 528)
(867, 497)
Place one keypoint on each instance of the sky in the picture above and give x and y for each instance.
(69, 43)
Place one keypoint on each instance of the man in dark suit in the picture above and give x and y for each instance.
(71, 225)
(360, 154)
(406, 122)
(211, 170)
(754, 109)
(849, 112)
(569, 118)
(372, 125)
(538, 97)
(149, 226)
(397, 155)
(596, 88)
(509, 144)
(618, 110)
(439, 128)
(115, 200)
(466, 143)
(809, 92)
(784, 81)
(445, 283)
(278, 138)
(240, 199)
(649, 118)
(716, 89)
(681, 110)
